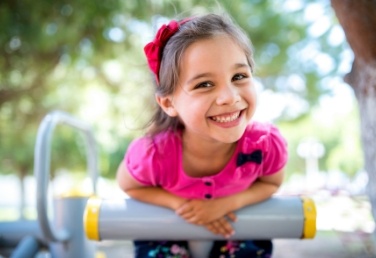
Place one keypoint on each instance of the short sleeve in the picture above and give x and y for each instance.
(276, 155)
(141, 161)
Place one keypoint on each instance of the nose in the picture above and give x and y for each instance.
(228, 94)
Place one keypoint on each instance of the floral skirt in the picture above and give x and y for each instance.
(220, 249)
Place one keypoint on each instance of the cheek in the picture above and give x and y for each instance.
(251, 96)
(255, 99)
(193, 110)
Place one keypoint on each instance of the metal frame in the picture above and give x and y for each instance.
(42, 160)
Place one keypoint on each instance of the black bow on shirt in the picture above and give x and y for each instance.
(255, 156)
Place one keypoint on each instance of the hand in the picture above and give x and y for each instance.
(222, 226)
(201, 212)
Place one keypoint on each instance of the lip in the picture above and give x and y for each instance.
(230, 123)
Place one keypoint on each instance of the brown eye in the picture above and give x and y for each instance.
(204, 85)
(239, 76)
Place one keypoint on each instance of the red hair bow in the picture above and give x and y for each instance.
(154, 49)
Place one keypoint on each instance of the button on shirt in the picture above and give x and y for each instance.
(157, 161)
(209, 188)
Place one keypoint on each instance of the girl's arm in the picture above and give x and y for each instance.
(263, 188)
(149, 194)
(197, 211)
(159, 196)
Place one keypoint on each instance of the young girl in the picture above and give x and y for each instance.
(201, 156)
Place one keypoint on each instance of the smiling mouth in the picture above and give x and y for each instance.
(226, 118)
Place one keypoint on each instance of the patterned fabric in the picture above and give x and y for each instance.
(161, 249)
(242, 249)
(157, 161)
(220, 249)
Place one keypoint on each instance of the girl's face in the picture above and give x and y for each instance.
(215, 98)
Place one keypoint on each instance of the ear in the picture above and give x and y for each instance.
(167, 105)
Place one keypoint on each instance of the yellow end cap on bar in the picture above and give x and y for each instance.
(91, 218)
(309, 210)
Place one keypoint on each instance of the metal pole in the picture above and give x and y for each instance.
(42, 158)
(278, 217)
(27, 248)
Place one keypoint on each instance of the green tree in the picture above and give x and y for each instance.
(42, 43)
(47, 49)
(86, 58)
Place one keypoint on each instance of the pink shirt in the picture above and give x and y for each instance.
(157, 161)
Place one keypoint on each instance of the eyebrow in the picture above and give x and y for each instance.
(202, 75)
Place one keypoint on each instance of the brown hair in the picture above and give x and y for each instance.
(198, 28)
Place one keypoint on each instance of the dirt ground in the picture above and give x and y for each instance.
(326, 244)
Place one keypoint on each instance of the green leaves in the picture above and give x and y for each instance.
(86, 58)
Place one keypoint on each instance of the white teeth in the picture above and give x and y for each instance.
(226, 119)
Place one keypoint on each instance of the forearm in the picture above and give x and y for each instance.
(156, 196)
(148, 194)
(257, 192)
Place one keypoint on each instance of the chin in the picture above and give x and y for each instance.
(231, 138)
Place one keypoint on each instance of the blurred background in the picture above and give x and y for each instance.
(86, 58)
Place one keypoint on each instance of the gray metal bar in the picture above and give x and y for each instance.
(68, 214)
(27, 248)
(278, 217)
(12, 232)
(42, 158)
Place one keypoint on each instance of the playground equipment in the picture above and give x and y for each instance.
(67, 235)
(63, 236)
(278, 217)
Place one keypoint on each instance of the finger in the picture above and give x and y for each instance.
(217, 228)
(183, 209)
(232, 216)
(225, 227)
(212, 228)
(196, 221)
(185, 213)
(191, 217)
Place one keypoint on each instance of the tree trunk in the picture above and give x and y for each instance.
(358, 19)
(365, 92)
